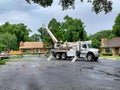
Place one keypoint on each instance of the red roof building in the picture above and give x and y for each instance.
(111, 46)
(32, 47)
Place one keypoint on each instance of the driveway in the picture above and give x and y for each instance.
(36, 73)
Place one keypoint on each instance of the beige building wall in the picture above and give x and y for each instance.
(113, 52)
(103, 50)
(119, 50)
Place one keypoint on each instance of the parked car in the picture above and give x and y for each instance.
(4, 54)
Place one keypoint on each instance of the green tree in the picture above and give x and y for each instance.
(44, 36)
(2, 47)
(98, 5)
(74, 29)
(8, 41)
(55, 28)
(22, 32)
(96, 38)
(19, 30)
(69, 30)
(116, 26)
(35, 37)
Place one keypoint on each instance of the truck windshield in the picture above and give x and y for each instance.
(89, 45)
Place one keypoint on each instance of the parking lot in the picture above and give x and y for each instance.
(36, 73)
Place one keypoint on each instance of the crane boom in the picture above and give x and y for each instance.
(51, 35)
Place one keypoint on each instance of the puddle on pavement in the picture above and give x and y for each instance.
(92, 68)
(117, 79)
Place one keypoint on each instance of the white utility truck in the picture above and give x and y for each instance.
(75, 50)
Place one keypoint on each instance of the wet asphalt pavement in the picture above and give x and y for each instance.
(35, 73)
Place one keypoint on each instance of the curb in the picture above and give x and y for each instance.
(109, 58)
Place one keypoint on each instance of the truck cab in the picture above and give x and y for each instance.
(86, 51)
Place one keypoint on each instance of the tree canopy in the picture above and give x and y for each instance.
(116, 26)
(98, 5)
(96, 38)
(55, 28)
(73, 29)
(70, 30)
(19, 31)
(8, 41)
(35, 37)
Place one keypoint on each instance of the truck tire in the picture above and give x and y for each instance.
(63, 56)
(58, 56)
(90, 57)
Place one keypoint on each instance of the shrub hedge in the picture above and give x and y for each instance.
(107, 54)
(2, 62)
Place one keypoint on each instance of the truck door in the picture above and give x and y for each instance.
(84, 49)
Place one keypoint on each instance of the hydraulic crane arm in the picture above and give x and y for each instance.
(51, 35)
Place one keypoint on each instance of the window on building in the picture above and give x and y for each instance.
(108, 50)
(36, 50)
(24, 50)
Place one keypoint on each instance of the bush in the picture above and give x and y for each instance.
(2, 62)
(107, 54)
(119, 54)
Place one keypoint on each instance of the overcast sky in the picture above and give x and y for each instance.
(33, 16)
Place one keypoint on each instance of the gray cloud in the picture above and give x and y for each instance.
(18, 11)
